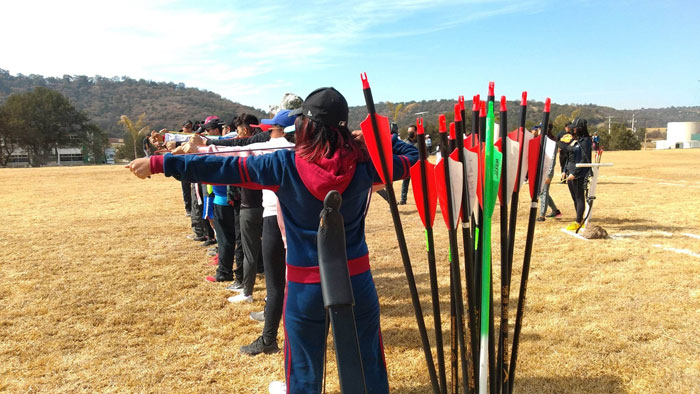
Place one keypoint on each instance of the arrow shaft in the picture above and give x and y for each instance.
(528, 252)
(410, 278)
(432, 271)
(505, 269)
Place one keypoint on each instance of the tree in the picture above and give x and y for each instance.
(559, 122)
(9, 138)
(42, 120)
(134, 130)
(622, 138)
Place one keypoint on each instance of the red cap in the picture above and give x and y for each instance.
(419, 126)
(482, 109)
(475, 103)
(453, 135)
(503, 104)
(524, 100)
(461, 103)
(491, 85)
(441, 121)
(547, 104)
(458, 112)
(365, 82)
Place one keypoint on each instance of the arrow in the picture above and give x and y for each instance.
(536, 162)
(375, 130)
(425, 195)
(448, 176)
(504, 193)
(519, 137)
(465, 159)
(492, 172)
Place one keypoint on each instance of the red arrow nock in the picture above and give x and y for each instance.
(453, 135)
(365, 82)
(547, 104)
(482, 109)
(491, 86)
(458, 113)
(442, 121)
(524, 100)
(475, 103)
(460, 100)
(419, 126)
(503, 104)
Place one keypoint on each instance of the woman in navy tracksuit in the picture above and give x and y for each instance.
(326, 157)
(578, 149)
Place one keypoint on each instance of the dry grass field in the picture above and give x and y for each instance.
(100, 291)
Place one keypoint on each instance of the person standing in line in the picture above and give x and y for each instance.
(413, 140)
(272, 246)
(545, 198)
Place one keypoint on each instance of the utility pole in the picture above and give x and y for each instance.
(609, 123)
(633, 121)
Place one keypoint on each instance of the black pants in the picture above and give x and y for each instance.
(404, 189)
(251, 234)
(187, 196)
(577, 194)
(224, 223)
(238, 254)
(196, 213)
(274, 260)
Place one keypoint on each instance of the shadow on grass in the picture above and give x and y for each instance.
(634, 224)
(564, 384)
(568, 384)
(409, 338)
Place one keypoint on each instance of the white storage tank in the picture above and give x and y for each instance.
(680, 135)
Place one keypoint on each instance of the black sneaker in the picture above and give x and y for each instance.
(258, 347)
(200, 238)
(208, 242)
(540, 218)
(258, 316)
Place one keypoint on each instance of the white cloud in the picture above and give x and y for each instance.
(222, 50)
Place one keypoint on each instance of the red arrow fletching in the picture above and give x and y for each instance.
(373, 148)
(533, 159)
(418, 191)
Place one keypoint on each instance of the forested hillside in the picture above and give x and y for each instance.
(104, 100)
(168, 104)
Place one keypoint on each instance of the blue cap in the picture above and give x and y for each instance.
(283, 118)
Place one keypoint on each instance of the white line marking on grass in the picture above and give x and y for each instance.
(692, 235)
(672, 184)
(574, 234)
(664, 233)
(681, 251)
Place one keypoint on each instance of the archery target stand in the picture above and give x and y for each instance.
(595, 167)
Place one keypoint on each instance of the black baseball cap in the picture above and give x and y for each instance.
(578, 122)
(326, 106)
(189, 122)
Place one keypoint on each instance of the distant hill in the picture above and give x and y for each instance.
(104, 100)
(595, 114)
(168, 104)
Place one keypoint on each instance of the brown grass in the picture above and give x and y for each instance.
(100, 290)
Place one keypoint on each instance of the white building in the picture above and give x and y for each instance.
(681, 135)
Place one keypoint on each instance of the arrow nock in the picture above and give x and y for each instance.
(547, 104)
(482, 109)
(503, 104)
(460, 100)
(453, 135)
(442, 121)
(365, 82)
(524, 100)
(491, 86)
(419, 126)
(475, 103)
(458, 113)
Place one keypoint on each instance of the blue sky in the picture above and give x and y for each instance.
(624, 54)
